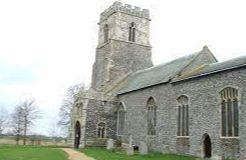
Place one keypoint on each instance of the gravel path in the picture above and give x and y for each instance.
(75, 155)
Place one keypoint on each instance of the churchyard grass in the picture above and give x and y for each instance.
(102, 154)
(12, 152)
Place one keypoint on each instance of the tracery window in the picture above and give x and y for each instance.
(132, 32)
(120, 120)
(183, 116)
(101, 130)
(229, 112)
(151, 116)
(106, 32)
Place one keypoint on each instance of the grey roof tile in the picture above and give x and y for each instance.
(169, 72)
(155, 75)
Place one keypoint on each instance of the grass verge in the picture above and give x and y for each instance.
(102, 154)
(11, 152)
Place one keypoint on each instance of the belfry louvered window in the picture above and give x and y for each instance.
(106, 32)
(183, 116)
(229, 112)
(132, 32)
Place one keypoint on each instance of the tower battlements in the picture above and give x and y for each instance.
(126, 8)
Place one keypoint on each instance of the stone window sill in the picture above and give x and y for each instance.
(229, 137)
(183, 136)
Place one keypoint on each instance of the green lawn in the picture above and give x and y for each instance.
(8, 152)
(103, 154)
(11, 152)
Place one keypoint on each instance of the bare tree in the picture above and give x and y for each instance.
(17, 123)
(29, 113)
(23, 117)
(3, 120)
(68, 102)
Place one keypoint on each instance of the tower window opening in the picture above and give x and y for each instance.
(106, 32)
(132, 32)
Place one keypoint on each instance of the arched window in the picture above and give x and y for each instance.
(132, 32)
(120, 119)
(101, 130)
(106, 32)
(229, 112)
(151, 116)
(183, 116)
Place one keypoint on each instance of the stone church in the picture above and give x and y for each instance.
(192, 105)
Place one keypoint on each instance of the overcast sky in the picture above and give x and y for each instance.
(48, 45)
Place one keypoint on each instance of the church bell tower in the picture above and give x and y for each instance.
(123, 45)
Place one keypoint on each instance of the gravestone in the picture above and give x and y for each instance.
(143, 148)
(129, 150)
(215, 157)
(110, 144)
(130, 141)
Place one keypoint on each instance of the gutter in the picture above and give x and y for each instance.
(144, 87)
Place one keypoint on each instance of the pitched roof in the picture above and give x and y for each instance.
(214, 68)
(170, 72)
(155, 75)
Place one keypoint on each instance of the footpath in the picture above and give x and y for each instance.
(75, 155)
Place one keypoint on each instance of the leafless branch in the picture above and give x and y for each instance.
(68, 102)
